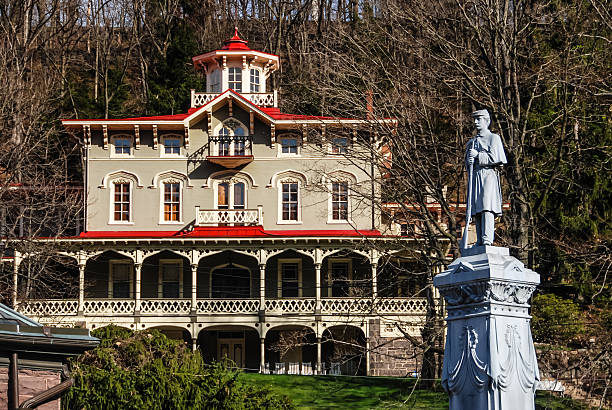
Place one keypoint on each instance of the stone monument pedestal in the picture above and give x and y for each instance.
(489, 358)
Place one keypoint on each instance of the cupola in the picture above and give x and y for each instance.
(236, 66)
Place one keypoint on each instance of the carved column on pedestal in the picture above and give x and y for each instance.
(489, 358)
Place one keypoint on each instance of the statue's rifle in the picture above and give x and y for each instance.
(468, 212)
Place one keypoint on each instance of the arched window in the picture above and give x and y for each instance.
(235, 79)
(231, 140)
(121, 201)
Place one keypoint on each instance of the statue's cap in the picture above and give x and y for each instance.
(481, 113)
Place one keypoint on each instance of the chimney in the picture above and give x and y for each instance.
(369, 106)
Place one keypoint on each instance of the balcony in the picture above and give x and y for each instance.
(259, 99)
(230, 151)
(229, 217)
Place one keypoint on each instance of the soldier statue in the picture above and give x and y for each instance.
(484, 157)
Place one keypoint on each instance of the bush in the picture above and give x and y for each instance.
(555, 320)
(147, 370)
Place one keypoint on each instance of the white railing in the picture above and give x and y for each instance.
(109, 306)
(260, 99)
(165, 306)
(346, 305)
(414, 306)
(291, 305)
(229, 216)
(48, 307)
(125, 307)
(228, 305)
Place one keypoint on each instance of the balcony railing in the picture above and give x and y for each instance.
(180, 307)
(230, 151)
(259, 99)
(231, 217)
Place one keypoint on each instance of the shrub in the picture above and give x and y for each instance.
(555, 320)
(147, 370)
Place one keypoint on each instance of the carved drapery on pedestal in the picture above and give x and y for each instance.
(489, 358)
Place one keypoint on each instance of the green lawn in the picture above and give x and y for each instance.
(342, 392)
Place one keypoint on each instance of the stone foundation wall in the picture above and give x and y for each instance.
(31, 382)
(391, 356)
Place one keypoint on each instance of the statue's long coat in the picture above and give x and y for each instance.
(486, 188)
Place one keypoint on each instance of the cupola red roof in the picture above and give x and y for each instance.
(235, 43)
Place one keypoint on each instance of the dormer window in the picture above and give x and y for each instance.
(255, 83)
(235, 79)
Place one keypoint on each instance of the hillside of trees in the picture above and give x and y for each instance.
(542, 68)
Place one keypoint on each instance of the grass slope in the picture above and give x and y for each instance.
(342, 392)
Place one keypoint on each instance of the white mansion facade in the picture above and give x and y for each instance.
(231, 227)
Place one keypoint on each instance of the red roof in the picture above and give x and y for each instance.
(170, 117)
(235, 43)
(226, 232)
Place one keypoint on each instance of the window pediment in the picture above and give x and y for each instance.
(121, 175)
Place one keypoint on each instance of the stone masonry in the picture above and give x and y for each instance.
(31, 382)
(390, 356)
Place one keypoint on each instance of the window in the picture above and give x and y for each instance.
(121, 209)
(339, 145)
(235, 79)
(239, 142)
(231, 195)
(289, 146)
(122, 146)
(172, 146)
(255, 87)
(171, 278)
(224, 142)
(403, 229)
(215, 81)
(289, 201)
(120, 283)
(340, 277)
(172, 201)
(339, 201)
(289, 278)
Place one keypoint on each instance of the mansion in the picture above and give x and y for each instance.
(250, 233)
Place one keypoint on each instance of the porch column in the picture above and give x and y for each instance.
(318, 288)
(367, 354)
(16, 263)
(137, 268)
(194, 344)
(81, 308)
(262, 353)
(318, 369)
(374, 279)
(262, 287)
(194, 288)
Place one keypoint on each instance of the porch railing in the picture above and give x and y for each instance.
(291, 305)
(260, 99)
(213, 217)
(165, 306)
(227, 305)
(170, 307)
